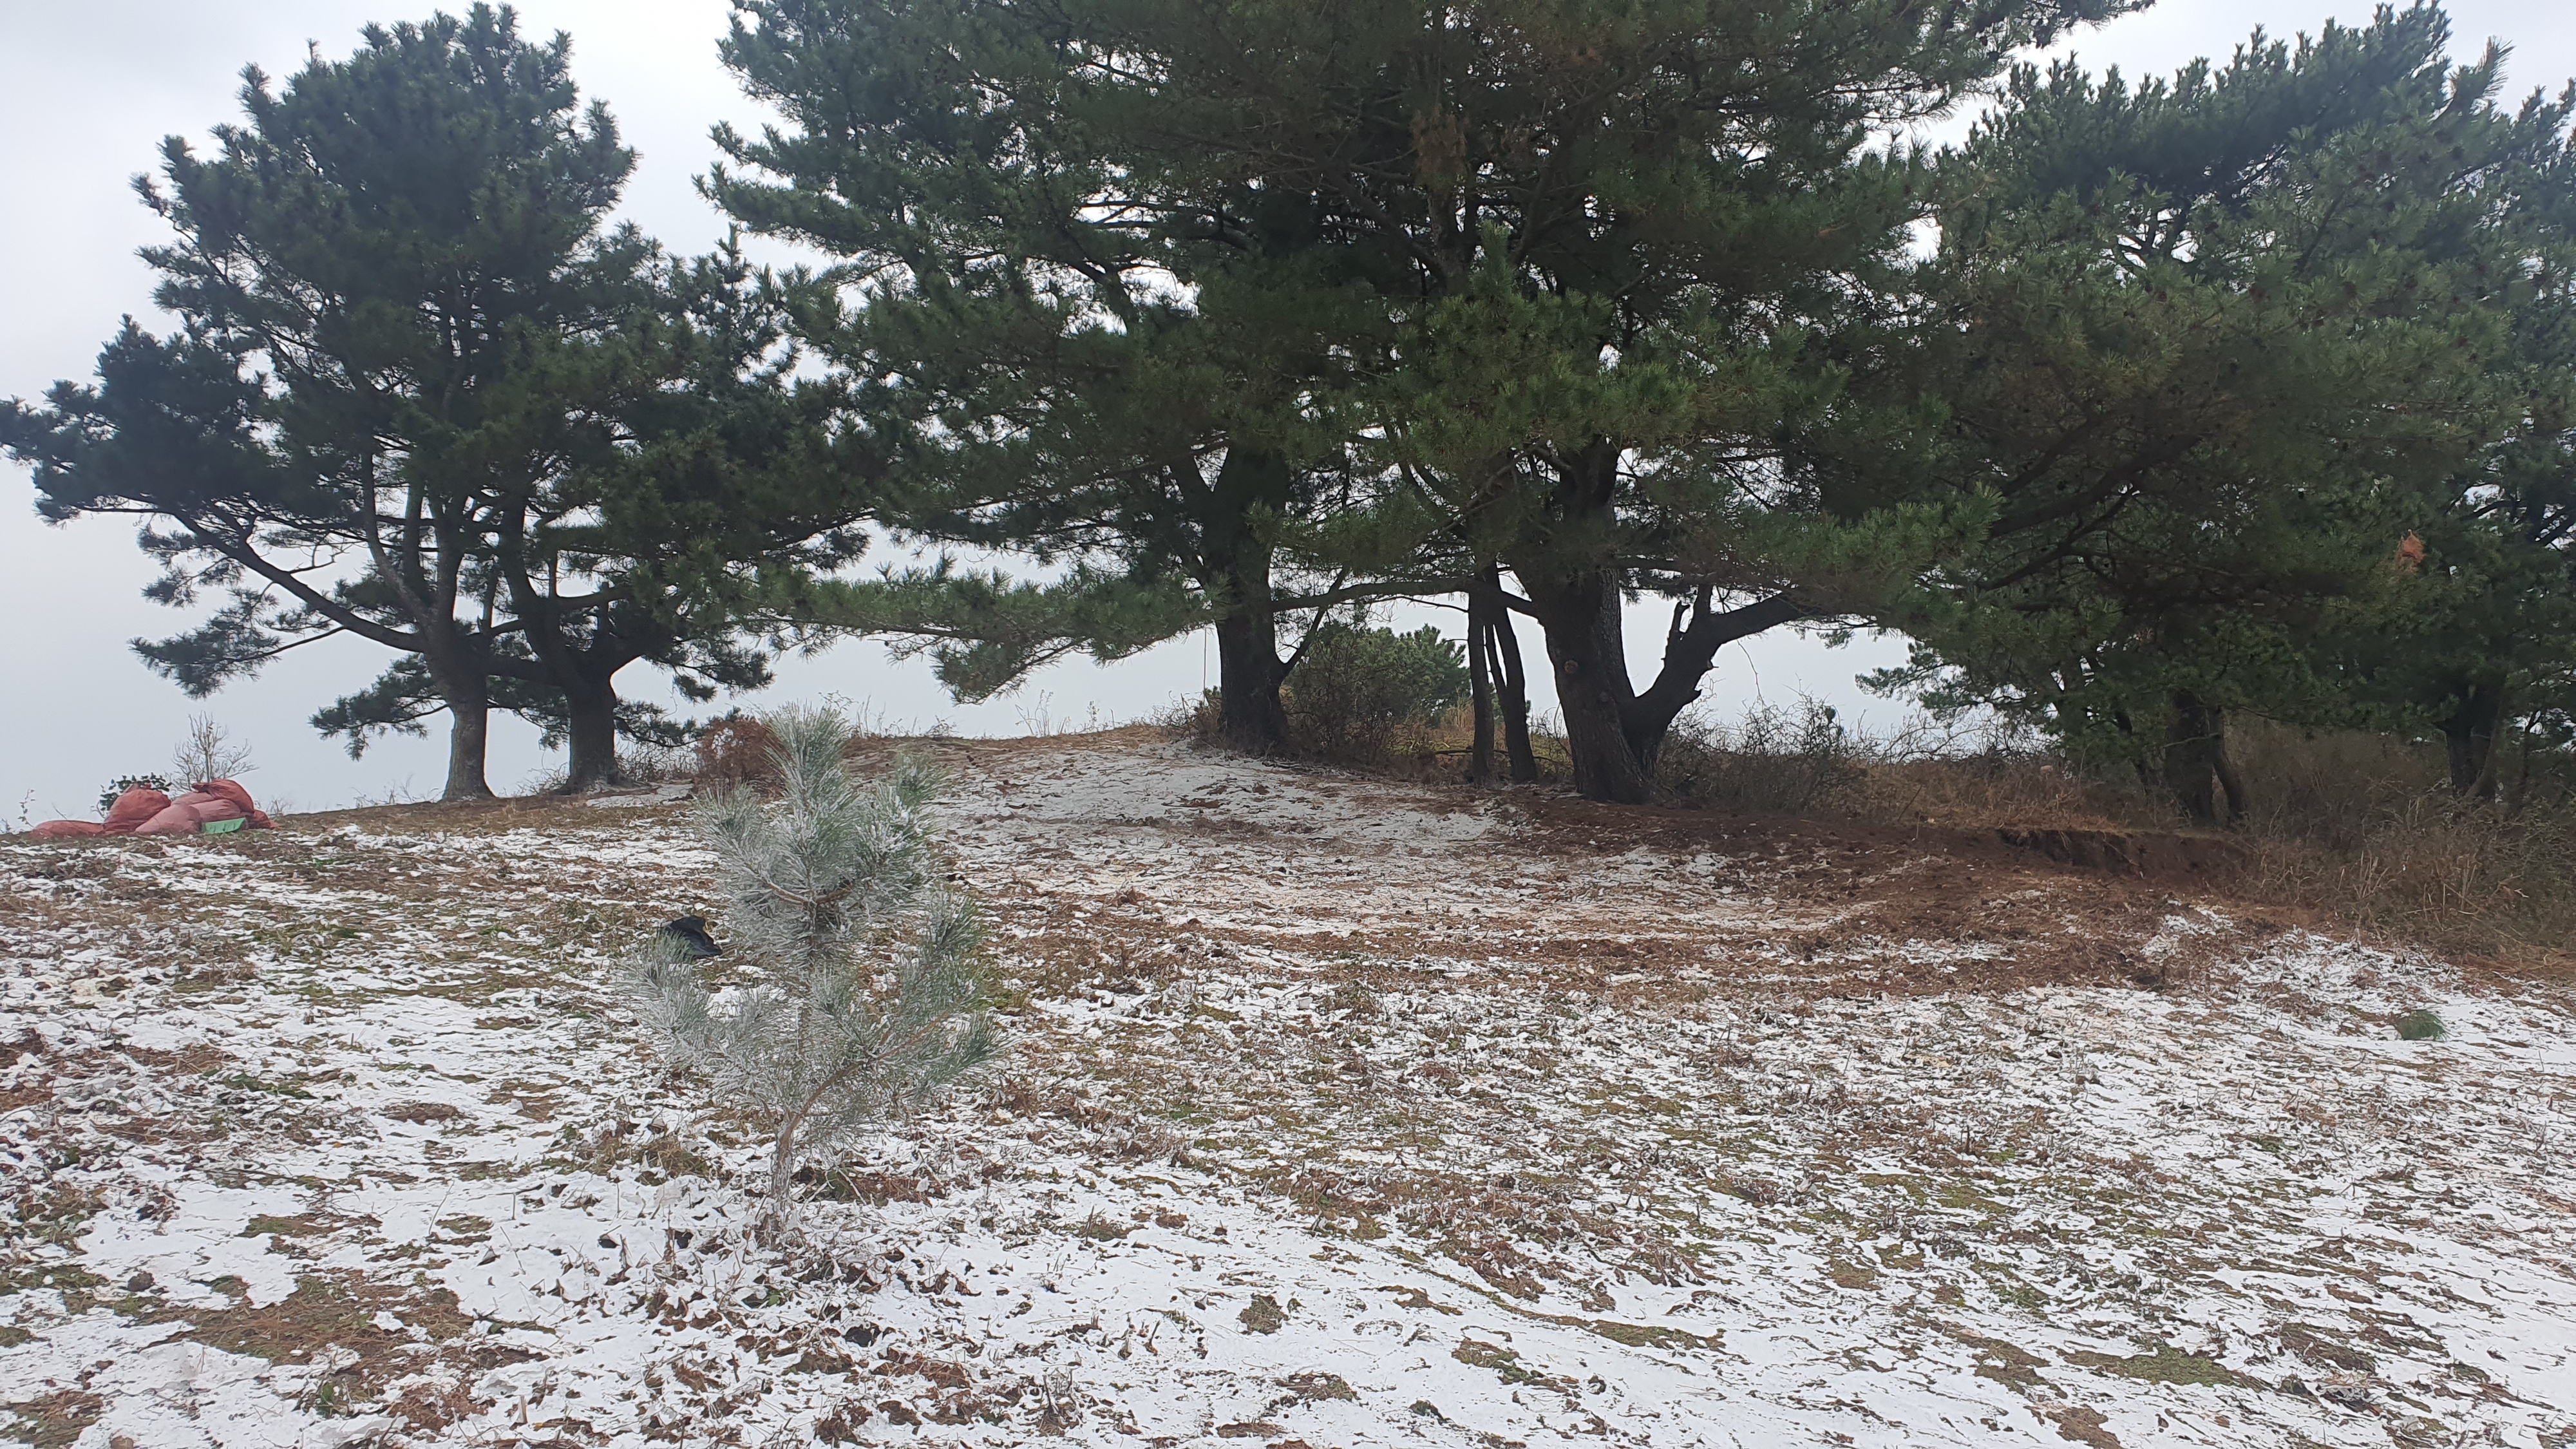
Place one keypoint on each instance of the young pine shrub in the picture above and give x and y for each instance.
(866, 997)
(1356, 691)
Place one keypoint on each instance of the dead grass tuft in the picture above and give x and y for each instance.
(55, 1420)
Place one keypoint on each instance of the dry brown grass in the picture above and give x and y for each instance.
(2364, 829)
(2353, 830)
(2360, 831)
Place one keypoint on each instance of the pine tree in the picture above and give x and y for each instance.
(2479, 645)
(1124, 390)
(423, 394)
(2214, 347)
(867, 996)
(1387, 294)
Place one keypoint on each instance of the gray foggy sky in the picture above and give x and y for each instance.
(88, 91)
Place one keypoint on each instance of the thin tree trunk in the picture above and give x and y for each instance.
(2223, 765)
(1480, 688)
(1514, 689)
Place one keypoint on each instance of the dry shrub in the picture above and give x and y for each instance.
(2365, 829)
(1802, 760)
(1200, 720)
(2360, 828)
(645, 764)
(1773, 761)
(737, 751)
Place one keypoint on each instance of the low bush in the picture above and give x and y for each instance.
(1356, 692)
(123, 783)
(1772, 761)
(737, 752)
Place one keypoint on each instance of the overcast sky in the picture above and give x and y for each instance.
(86, 93)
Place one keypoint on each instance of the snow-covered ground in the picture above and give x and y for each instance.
(1339, 1113)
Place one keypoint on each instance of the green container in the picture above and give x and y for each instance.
(221, 827)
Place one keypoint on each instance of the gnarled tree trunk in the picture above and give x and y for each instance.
(1613, 733)
(2196, 764)
(468, 695)
(590, 737)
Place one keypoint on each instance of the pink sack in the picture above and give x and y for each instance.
(190, 811)
(67, 829)
(232, 790)
(177, 820)
(133, 808)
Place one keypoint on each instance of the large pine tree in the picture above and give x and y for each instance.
(2215, 347)
(1104, 355)
(423, 394)
(1528, 283)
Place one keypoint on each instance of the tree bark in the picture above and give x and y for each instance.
(590, 735)
(469, 729)
(1514, 688)
(1613, 733)
(1234, 560)
(1248, 675)
(2196, 765)
(2469, 736)
(1480, 687)
(1585, 647)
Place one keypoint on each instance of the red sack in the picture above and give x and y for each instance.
(177, 820)
(233, 791)
(190, 811)
(67, 829)
(133, 808)
(230, 790)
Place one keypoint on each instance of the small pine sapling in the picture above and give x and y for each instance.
(866, 995)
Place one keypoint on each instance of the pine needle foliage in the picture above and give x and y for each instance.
(866, 994)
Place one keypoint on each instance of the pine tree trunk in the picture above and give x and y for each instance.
(1514, 689)
(1235, 566)
(2196, 765)
(2469, 735)
(1248, 668)
(1249, 713)
(590, 733)
(2224, 766)
(1584, 644)
(469, 729)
